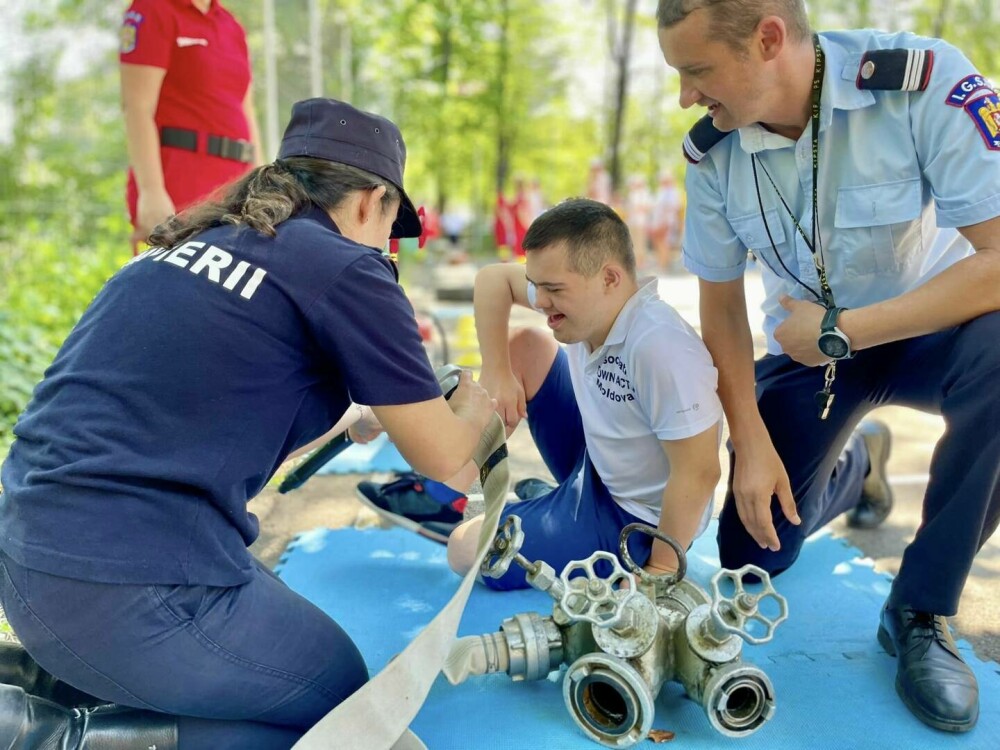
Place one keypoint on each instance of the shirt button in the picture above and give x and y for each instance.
(749, 238)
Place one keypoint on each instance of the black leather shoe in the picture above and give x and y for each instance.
(17, 667)
(931, 677)
(30, 723)
(876, 494)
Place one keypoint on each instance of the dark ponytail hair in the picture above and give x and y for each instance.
(268, 195)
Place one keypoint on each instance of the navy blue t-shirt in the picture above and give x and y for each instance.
(193, 374)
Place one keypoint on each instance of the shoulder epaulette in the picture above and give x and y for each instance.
(895, 69)
(701, 138)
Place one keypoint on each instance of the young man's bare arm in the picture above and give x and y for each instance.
(694, 473)
(498, 288)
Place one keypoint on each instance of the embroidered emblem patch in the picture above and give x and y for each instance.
(129, 33)
(985, 112)
(965, 88)
(127, 38)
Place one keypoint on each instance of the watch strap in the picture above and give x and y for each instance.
(830, 319)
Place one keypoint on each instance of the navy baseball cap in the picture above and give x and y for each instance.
(336, 131)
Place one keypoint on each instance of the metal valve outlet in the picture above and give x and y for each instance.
(624, 634)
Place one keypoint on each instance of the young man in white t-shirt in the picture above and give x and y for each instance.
(625, 413)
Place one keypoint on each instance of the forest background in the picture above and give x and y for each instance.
(484, 90)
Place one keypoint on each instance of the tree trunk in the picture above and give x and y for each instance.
(941, 20)
(503, 125)
(623, 55)
(440, 167)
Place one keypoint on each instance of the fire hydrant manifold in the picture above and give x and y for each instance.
(623, 633)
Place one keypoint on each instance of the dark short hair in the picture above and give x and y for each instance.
(734, 20)
(592, 231)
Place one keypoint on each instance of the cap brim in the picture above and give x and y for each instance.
(407, 222)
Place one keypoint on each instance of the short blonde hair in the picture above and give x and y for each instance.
(734, 20)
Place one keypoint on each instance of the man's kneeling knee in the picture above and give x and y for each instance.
(462, 545)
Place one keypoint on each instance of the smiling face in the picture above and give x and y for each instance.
(713, 74)
(579, 308)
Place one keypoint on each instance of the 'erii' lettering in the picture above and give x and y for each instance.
(209, 262)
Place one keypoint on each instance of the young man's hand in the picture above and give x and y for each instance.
(509, 394)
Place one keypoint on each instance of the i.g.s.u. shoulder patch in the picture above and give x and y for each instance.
(895, 69)
(129, 33)
(962, 91)
(980, 100)
(985, 112)
(701, 138)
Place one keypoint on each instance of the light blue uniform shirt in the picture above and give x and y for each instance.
(898, 172)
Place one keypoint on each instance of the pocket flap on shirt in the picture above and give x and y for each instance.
(877, 205)
(752, 231)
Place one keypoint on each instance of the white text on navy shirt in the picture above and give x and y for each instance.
(209, 261)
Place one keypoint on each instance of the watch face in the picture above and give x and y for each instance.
(833, 346)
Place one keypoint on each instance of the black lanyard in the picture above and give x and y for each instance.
(815, 243)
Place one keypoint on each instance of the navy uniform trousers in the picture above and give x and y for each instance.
(955, 373)
(248, 667)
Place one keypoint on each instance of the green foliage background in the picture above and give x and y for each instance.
(434, 66)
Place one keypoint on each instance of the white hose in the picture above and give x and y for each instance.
(377, 716)
(477, 655)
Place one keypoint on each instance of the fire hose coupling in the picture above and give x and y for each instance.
(534, 644)
(528, 647)
(448, 377)
(609, 700)
(738, 699)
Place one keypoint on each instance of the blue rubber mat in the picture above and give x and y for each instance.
(833, 683)
(377, 456)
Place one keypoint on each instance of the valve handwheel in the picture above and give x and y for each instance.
(592, 598)
(506, 546)
(731, 613)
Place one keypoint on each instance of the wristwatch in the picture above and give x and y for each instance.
(832, 341)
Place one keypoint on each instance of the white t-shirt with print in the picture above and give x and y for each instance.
(651, 380)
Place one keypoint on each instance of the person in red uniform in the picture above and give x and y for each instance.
(186, 94)
(521, 211)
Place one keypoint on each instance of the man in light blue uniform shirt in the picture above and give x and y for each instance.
(865, 178)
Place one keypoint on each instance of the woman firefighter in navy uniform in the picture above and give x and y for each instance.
(246, 332)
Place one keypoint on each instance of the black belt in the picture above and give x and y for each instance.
(226, 148)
